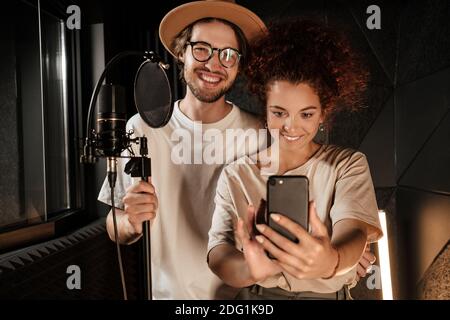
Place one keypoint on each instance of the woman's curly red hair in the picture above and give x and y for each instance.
(303, 51)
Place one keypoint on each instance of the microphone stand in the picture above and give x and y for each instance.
(137, 166)
(146, 243)
(141, 167)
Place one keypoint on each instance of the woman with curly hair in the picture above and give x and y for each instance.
(304, 74)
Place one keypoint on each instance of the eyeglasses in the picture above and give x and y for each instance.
(203, 51)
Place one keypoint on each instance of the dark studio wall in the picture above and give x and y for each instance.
(404, 129)
(10, 126)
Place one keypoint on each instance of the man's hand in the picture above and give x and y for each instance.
(365, 263)
(140, 203)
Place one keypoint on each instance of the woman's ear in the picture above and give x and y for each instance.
(323, 115)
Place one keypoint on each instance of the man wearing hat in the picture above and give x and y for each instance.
(209, 40)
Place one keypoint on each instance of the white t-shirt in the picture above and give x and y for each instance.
(185, 169)
(339, 183)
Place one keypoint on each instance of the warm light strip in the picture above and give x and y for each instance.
(385, 265)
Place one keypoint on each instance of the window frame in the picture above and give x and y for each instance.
(23, 232)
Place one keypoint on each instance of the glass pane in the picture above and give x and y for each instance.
(30, 105)
(38, 43)
(55, 105)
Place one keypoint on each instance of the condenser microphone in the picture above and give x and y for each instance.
(111, 127)
(111, 121)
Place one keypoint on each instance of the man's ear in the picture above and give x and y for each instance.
(181, 57)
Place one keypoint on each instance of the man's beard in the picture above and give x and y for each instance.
(209, 97)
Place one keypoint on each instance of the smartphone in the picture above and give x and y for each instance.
(289, 196)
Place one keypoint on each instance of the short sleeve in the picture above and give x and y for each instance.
(222, 230)
(355, 195)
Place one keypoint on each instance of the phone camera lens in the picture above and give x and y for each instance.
(272, 182)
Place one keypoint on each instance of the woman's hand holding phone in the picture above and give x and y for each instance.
(311, 258)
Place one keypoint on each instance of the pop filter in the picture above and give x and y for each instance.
(152, 94)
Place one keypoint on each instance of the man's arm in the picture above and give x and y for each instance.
(228, 263)
(126, 232)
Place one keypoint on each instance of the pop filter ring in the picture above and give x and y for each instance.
(137, 98)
